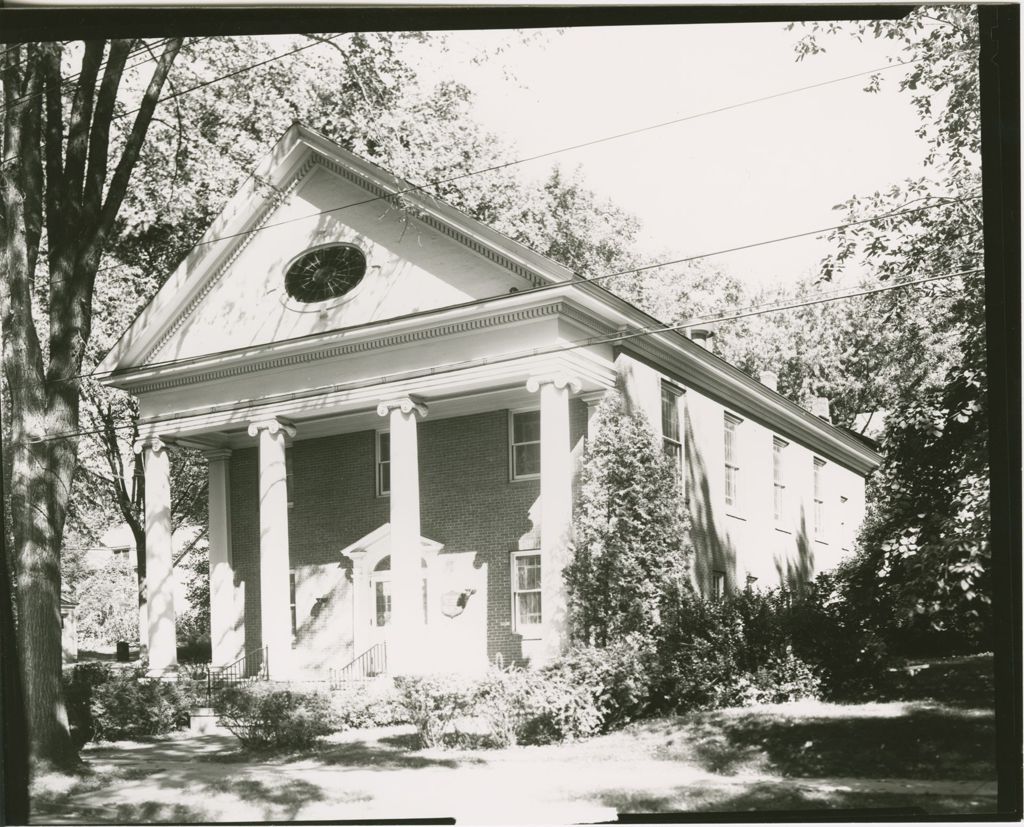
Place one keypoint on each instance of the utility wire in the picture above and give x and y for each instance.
(235, 73)
(546, 351)
(579, 279)
(102, 66)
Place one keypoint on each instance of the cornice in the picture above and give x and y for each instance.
(234, 251)
(314, 353)
(432, 221)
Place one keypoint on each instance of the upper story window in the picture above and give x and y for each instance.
(671, 432)
(819, 497)
(325, 273)
(779, 478)
(524, 439)
(732, 459)
(383, 463)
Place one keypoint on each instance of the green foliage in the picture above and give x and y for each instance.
(631, 551)
(354, 707)
(433, 702)
(925, 543)
(617, 676)
(108, 606)
(193, 626)
(262, 716)
(732, 651)
(130, 706)
(79, 683)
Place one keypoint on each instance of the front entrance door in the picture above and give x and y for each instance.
(380, 600)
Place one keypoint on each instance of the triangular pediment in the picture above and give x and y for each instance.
(230, 293)
(377, 544)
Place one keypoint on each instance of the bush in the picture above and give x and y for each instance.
(618, 678)
(129, 705)
(784, 679)
(353, 708)
(263, 716)
(79, 683)
(433, 702)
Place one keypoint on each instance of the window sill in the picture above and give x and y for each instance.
(529, 478)
(528, 634)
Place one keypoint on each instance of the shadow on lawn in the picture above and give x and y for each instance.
(775, 798)
(928, 742)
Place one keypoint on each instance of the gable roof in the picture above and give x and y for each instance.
(253, 209)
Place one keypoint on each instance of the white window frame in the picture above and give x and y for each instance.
(818, 499)
(735, 503)
(293, 595)
(780, 493)
(844, 524)
(679, 444)
(530, 631)
(512, 414)
(378, 462)
(718, 584)
(289, 476)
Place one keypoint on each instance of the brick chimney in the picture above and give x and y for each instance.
(770, 379)
(703, 336)
(820, 408)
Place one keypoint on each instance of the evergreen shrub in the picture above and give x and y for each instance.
(130, 706)
(265, 717)
(79, 683)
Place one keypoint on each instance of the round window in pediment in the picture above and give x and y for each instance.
(325, 273)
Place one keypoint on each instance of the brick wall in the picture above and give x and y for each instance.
(467, 502)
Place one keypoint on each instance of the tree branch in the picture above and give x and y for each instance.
(133, 145)
(78, 127)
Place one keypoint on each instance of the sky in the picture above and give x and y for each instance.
(749, 174)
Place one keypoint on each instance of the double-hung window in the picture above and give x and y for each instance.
(671, 432)
(524, 433)
(732, 462)
(526, 593)
(383, 463)
(779, 478)
(718, 584)
(819, 497)
(292, 602)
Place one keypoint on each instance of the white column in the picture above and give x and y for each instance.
(406, 641)
(225, 624)
(360, 593)
(556, 505)
(163, 646)
(275, 616)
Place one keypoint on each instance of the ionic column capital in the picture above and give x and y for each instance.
(560, 380)
(153, 443)
(274, 425)
(407, 404)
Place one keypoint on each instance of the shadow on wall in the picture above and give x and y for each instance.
(712, 551)
(798, 570)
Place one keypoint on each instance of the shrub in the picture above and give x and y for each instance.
(263, 716)
(354, 707)
(560, 710)
(504, 699)
(618, 677)
(129, 705)
(79, 684)
(108, 606)
(784, 679)
(432, 703)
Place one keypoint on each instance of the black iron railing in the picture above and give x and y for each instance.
(372, 662)
(251, 667)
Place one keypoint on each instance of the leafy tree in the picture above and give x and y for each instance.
(62, 135)
(107, 609)
(631, 550)
(925, 546)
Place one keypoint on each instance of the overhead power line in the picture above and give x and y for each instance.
(590, 341)
(593, 279)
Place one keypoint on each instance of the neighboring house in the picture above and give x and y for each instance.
(394, 418)
(68, 629)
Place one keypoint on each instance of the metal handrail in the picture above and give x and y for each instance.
(372, 662)
(252, 666)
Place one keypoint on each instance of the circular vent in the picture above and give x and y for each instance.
(324, 274)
